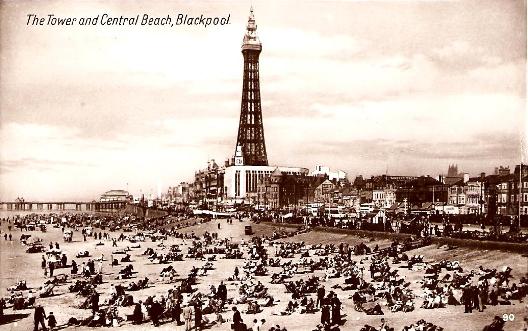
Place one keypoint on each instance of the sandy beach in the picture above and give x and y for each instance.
(18, 265)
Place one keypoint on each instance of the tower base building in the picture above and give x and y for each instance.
(240, 181)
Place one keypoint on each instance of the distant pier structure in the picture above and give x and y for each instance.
(62, 205)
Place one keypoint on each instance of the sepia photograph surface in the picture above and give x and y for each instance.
(263, 165)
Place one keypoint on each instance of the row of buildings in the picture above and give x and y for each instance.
(266, 186)
(503, 192)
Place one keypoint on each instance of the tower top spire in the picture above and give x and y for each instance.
(251, 39)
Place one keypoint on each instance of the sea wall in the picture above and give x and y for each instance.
(146, 212)
(477, 244)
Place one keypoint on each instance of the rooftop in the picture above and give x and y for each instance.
(116, 192)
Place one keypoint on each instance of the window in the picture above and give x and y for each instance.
(237, 183)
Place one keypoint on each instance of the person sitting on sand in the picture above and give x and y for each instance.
(376, 310)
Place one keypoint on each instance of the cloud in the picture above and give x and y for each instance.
(462, 55)
(360, 86)
(38, 164)
(475, 148)
(407, 157)
(294, 43)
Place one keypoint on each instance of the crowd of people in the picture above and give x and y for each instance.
(453, 226)
(369, 278)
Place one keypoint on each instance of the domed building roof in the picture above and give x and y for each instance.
(116, 192)
(115, 195)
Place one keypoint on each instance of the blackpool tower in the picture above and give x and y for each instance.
(250, 140)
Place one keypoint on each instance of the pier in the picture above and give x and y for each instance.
(63, 206)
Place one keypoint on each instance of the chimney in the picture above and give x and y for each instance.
(466, 177)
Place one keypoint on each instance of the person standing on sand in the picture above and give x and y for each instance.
(238, 323)
(198, 315)
(475, 297)
(39, 317)
(187, 316)
(221, 292)
(336, 309)
(74, 267)
(320, 295)
(43, 263)
(325, 314)
(258, 325)
(51, 268)
(483, 296)
(2, 306)
(384, 326)
(177, 311)
(155, 312)
(467, 300)
(137, 315)
(94, 300)
(52, 322)
(91, 266)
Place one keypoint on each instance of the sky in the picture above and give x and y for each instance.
(368, 87)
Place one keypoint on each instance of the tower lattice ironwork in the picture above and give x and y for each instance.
(251, 129)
